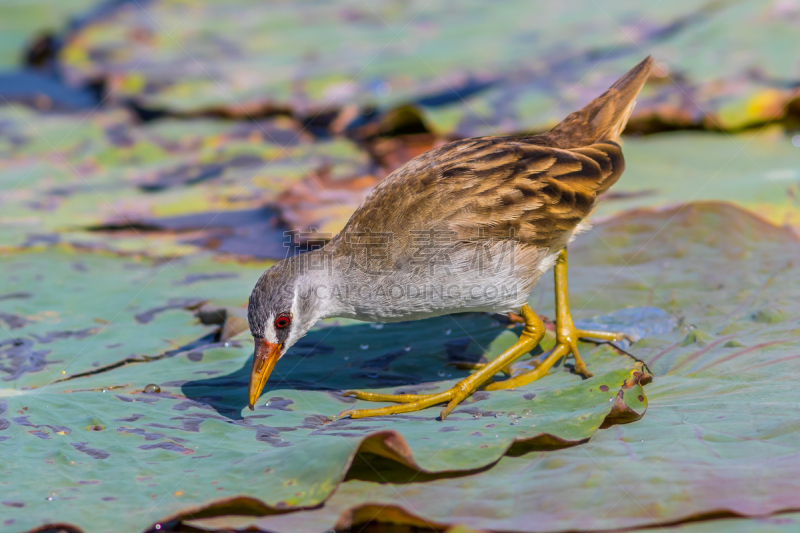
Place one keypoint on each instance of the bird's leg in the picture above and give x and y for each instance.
(512, 318)
(566, 332)
(477, 366)
(567, 335)
(531, 334)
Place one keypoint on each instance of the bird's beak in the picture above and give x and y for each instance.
(266, 355)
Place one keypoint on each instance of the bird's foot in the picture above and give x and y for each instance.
(566, 344)
(408, 402)
(569, 339)
(530, 337)
(464, 365)
(588, 334)
(529, 377)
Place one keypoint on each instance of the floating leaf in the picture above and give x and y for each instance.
(756, 170)
(163, 188)
(23, 21)
(720, 433)
(469, 70)
(130, 414)
(65, 313)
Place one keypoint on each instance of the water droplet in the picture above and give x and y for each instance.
(448, 331)
(152, 388)
(105, 389)
(266, 404)
(365, 346)
(476, 415)
(527, 412)
(512, 415)
(515, 422)
(441, 373)
(407, 348)
(496, 436)
(449, 374)
(158, 526)
(498, 414)
(376, 325)
(796, 140)
(226, 345)
(346, 357)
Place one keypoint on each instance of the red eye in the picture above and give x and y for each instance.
(282, 321)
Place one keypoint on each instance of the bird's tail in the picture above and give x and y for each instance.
(604, 118)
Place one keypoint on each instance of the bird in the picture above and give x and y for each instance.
(469, 226)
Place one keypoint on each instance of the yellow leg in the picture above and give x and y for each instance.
(477, 366)
(531, 334)
(567, 335)
(540, 371)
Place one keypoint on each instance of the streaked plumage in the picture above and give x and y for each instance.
(530, 193)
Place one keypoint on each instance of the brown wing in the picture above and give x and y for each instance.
(492, 188)
(535, 188)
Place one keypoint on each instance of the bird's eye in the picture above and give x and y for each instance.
(283, 321)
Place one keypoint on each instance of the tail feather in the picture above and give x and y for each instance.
(604, 118)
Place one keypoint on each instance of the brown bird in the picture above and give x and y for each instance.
(468, 226)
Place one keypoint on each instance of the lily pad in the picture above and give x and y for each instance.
(65, 313)
(720, 436)
(23, 21)
(102, 442)
(470, 71)
(140, 414)
(759, 171)
(61, 175)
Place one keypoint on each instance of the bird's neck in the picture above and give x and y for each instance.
(321, 282)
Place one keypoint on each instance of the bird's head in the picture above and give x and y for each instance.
(282, 309)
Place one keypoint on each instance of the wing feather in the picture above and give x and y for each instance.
(492, 188)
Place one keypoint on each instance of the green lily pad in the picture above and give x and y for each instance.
(101, 442)
(61, 175)
(759, 171)
(65, 313)
(469, 70)
(85, 334)
(22, 21)
(720, 433)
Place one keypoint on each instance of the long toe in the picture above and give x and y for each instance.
(409, 407)
(377, 397)
(610, 336)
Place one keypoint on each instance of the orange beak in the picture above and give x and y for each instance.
(266, 355)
